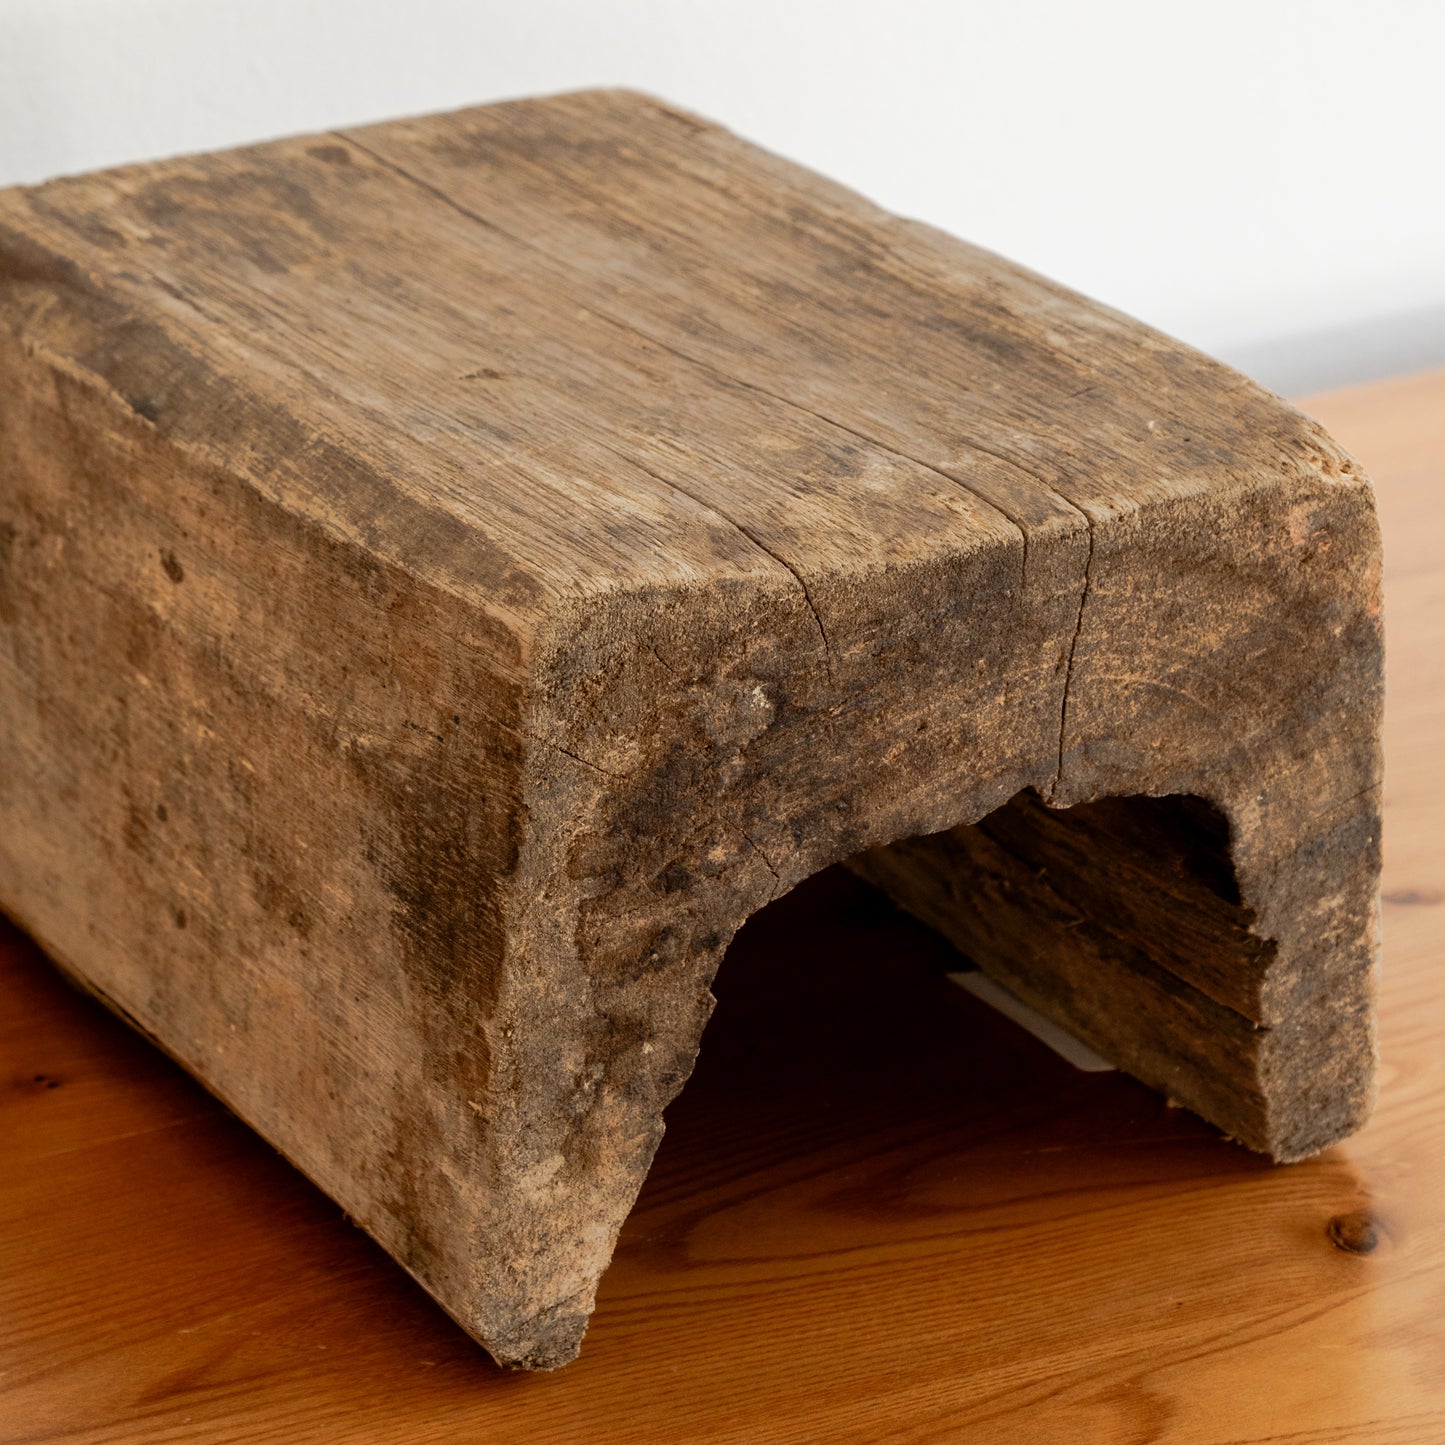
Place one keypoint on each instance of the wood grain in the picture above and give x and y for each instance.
(453, 574)
(880, 1212)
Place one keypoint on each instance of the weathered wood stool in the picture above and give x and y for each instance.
(453, 573)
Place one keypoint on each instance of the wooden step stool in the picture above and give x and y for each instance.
(453, 573)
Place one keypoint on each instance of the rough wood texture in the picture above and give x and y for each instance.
(456, 572)
(880, 1212)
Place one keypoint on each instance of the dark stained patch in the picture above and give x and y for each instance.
(674, 878)
(446, 845)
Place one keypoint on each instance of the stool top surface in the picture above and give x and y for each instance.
(566, 345)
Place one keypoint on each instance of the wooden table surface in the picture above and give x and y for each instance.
(881, 1213)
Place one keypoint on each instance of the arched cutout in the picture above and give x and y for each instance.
(1120, 919)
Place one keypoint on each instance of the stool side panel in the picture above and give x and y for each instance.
(262, 795)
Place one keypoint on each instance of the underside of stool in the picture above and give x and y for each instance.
(453, 573)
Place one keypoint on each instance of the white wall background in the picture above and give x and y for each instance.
(1265, 178)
